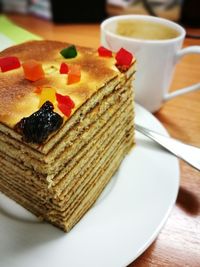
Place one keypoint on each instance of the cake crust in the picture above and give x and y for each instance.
(17, 96)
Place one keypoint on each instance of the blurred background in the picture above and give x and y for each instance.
(187, 12)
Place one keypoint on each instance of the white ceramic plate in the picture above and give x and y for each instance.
(122, 224)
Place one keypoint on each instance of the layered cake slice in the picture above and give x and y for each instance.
(66, 123)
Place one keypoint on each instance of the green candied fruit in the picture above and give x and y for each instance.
(69, 52)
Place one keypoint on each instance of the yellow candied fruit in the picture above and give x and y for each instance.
(47, 94)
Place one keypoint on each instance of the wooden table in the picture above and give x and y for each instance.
(178, 244)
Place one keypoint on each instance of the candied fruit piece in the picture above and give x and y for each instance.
(123, 58)
(64, 68)
(69, 52)
(38, 90)
(47, 94)
(66, 110)
(65, 99)
(9, 63)
(104, 52)
(65, 104)
(37, 127)
(74, 74)
(33, 70)
(122, 68)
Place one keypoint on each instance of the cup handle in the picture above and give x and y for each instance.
(194, 87)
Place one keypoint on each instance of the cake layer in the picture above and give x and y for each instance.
(90, 149)
(67, 154)
(33, 197)
(77, 174)
(66, 225)
(101, 142)
(96, 190)
(98, 142)
(86, 120)
(81, 188)
(18, 197)
(31, 188)
(19, 169)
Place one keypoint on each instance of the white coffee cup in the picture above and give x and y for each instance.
(156, 59)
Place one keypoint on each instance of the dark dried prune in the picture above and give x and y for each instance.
(37, 127)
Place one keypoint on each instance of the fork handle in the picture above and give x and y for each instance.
(188, 153)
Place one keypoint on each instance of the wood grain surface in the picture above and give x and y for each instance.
(178, 244)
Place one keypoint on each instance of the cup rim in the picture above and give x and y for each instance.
(163, 21)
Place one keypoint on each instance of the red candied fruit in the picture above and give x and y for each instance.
(65, 109)
(104, 52)
(9, 63)
(64, 68)
(65, 104)
(123, 58)
(65, 99)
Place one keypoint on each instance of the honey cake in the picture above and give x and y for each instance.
(66, 123)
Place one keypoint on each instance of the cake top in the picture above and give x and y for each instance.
(50, 71)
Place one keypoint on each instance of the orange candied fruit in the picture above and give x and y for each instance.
(74, 74)
(33, 70)
(38, 89)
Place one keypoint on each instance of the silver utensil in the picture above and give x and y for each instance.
(188, 153)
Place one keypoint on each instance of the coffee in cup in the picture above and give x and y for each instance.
(145, 30)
